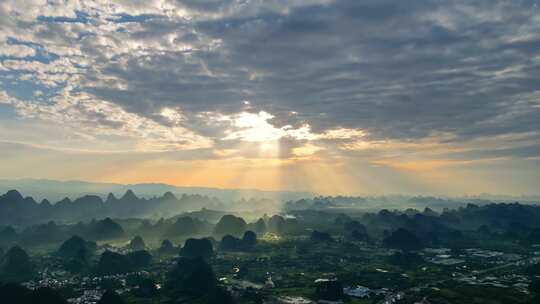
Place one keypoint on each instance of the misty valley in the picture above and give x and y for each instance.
(201, 249)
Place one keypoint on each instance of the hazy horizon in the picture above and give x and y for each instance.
(50, 189)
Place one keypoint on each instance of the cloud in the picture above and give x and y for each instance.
(252, 127)
(99, 118)
(306, 150)
(256, 127)
(16, 51)
(5, 98)
(348, 77)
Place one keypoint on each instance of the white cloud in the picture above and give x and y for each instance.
(16, 50)
(5, 98)
(306, 150)
(174, 116)
(96, 117)
(255, 127)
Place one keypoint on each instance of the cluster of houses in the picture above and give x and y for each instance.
(518, 282)
(86, 288)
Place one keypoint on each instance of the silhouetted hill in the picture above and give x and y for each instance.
(137, 243)
(8, 236)
(167, 248)
(400, 202)
(192, 276)
(187, 226)
(231, 243)
(110, 297)
(20, 211)
(57, 190)
(139, 259)
(205, 214)
(16, 266)
(230, 224)
(76, 247)
(113, 263)
(259, 226)
(15, 209)
(104, 229)
(75, 254)
(12, 293)
(197, 248)
(43, 233)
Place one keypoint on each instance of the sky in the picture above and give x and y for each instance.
(334, 97)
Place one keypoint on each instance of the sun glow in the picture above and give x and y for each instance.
(253, 127)
(276, 157)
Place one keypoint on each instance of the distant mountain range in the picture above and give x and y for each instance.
(56, 190)
(18, 210)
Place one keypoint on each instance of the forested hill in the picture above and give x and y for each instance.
(15, 209)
